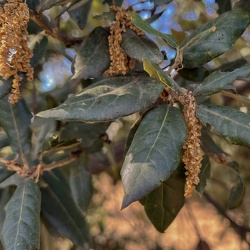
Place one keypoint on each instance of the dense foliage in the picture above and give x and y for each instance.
(54, 140)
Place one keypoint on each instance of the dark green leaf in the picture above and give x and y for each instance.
(21, 229)
(81, 185)
(92, 58)
(215, 82)
(111, 2)
(214, 38)
(39, 45)
(204, 174)
(157, 73)
(140, 47)
(154, 153)
(32, 4)
(61, 212)
(208, 144)
(15, 120)
(90, 134)
(5, 173)
(236, 194)
(40, 128)
(224, 5)
(195, 75)
(108, 99)
(80, 14)
(5, 195)
(160, 2)
(164, 203)
(5, 86)
(144, 26)
(229, 123)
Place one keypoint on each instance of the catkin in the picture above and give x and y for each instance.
(119, 62)
(192, 156)
(14, 52)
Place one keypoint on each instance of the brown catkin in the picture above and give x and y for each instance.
(192, 156)
(119, 61)
(14, 52)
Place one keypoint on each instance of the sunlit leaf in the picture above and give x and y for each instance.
(144, 26)
(154, 153)
(231, 124)
(15, 120)
(157, 73)
(108, 99)
(92, 58)
(204, 174)
(214, 38)
(61, 212)
(140, 47)
(164, 203)
(215, 82)
(237, 193)
(81, 185)
(5, 86)
(21, 229)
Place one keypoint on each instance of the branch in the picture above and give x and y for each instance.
(68, 41)
(241, 230)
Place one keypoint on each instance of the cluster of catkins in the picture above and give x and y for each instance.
(192, 151)
(119, 60)
(14, 52)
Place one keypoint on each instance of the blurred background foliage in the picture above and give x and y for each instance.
(204, 222)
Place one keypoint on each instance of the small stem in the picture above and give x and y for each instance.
(236, 97)
(59, 164)
(54, 33)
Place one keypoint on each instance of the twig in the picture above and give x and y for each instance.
(241, 230)
(68, 41)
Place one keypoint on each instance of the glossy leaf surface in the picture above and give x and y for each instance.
(164, 203)
(214, 38)
(140, 47)
(154, 153)
(15, 120)
(92, 58)
(215, 82)
(21, 229)
(108, 99)
(231, 124)
(138, 22)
